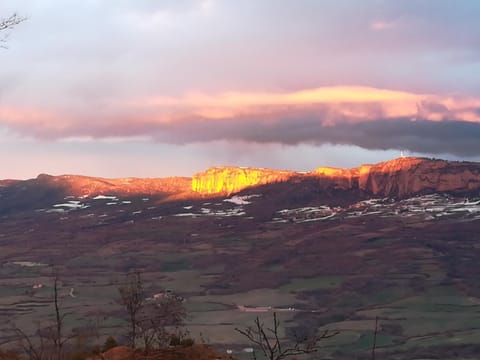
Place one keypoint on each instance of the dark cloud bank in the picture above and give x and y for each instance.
(458, 138)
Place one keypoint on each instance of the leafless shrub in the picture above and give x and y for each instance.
(48, 342)
(267, 339)
(150, 321)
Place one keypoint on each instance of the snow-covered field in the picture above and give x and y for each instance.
(427, 207)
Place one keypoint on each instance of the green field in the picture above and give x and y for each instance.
(420, 280)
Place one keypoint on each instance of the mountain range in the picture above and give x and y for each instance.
(398, 178)
(329, 248)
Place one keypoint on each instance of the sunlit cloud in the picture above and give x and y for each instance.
(309, 116)
(336, 94)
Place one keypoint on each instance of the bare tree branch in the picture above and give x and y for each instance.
(48, 342)
(8, 24)
(132, 298)
(58, 318)
(31, 350)
(269, 342)
(158, 319)
(153, 321)
(374, 345)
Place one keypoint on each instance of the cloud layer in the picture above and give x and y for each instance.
(367, 117)
(375, 74)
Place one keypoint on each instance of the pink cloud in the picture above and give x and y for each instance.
(311, 115)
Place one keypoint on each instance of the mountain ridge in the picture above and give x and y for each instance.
(394, 178)
(398, 178)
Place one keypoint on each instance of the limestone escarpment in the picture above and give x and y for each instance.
(227, 180)
(403, 177)
(407, 176)
(396, 178)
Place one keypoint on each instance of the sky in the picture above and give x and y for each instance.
(154, 88)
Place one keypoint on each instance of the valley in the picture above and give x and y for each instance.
(322, 258)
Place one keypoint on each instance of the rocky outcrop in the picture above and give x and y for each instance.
(227, 180)
(408, 176)
(396, 178)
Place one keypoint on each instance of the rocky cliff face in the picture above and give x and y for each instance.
(227, 180)
(396, 178)
(407, 176)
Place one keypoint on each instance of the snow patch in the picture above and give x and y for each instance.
(105, 197)
(241, 200)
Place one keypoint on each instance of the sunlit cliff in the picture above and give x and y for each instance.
(399, 177)
(227, 180)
